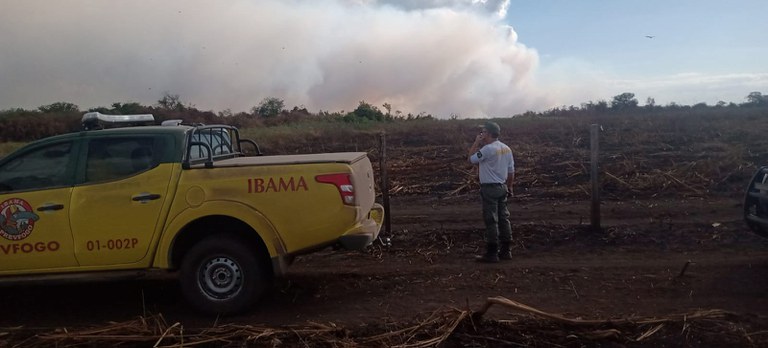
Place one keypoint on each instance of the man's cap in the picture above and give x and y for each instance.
(492, 127)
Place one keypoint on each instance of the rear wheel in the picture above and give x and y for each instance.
(222, 275)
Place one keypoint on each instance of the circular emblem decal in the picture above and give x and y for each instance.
(17, 220)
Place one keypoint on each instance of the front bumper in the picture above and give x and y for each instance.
(366, 232)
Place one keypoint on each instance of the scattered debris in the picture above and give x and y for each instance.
(451, 327)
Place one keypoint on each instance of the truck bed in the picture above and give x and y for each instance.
(340, 157)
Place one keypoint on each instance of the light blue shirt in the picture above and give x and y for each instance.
(496, 163)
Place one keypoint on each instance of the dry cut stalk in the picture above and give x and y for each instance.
(712, 313)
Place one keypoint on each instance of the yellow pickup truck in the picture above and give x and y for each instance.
(193, 201)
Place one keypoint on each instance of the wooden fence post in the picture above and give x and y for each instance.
(594, 148)
(384, 184)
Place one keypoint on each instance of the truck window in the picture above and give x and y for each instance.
(116, 158)
(218, 139)
(41, 168)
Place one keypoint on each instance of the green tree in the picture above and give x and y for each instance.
(624, 101)
(701, 105)
(650, 103)
(128, 108)
(269, 107)
(368, 111)
(59, 107)
(757, 99)
(388, 107)
(599, 106)
(170, 102)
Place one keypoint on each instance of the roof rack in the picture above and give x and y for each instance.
(180, 122)
(97, 120)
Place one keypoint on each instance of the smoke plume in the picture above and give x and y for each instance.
(437, 57)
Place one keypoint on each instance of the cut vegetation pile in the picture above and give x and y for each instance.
(529, 327)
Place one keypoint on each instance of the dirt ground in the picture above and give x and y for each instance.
(654, 258)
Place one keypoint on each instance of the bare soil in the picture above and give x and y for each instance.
(652, 258)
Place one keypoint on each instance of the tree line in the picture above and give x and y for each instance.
(21, 125)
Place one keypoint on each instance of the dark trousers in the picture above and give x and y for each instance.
(496, 214)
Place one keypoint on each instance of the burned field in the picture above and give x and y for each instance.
(673, 265)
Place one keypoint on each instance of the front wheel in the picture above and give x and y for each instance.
(221, 275)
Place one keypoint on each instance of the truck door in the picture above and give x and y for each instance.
(35, 187)
(116, 208)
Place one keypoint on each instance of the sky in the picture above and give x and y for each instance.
(461, 58)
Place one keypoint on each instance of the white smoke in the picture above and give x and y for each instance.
(437, 57)
(498, 7)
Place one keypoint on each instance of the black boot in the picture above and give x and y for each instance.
(491, 254)
(504, 253)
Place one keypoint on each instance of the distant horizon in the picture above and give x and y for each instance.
(641, 103)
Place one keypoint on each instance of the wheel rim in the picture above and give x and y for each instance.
(220, 278)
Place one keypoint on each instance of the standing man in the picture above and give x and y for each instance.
(497, 175)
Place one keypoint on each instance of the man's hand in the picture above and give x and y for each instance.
(510, 193)
(479, 142)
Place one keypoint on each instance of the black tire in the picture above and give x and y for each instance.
(222, 275)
